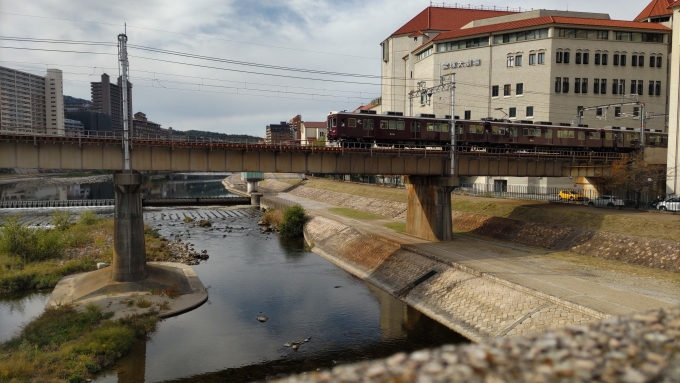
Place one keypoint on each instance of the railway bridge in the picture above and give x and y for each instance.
(426, 169)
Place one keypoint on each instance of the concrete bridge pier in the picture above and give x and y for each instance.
(429, 207)
(129, 252)
(252, 178)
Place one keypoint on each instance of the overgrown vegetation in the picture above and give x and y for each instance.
(273, 217)
(294, 218)
(32, 259)
(352, 213)
(64, 344)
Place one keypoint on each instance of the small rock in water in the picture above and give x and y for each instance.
(286, 345)
(308, 339)
(337, 287)
(262, 318)
(295, 347)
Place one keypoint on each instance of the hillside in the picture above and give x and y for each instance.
(221, 136)
(75, 100)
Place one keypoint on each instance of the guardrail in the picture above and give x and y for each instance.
(52, 203)
(110, 202)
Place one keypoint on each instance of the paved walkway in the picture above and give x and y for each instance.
(622, 296)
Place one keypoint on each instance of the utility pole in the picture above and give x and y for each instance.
(637, 103)
(428, 92)
(122, 58)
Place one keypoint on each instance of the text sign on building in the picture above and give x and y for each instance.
(461, 64)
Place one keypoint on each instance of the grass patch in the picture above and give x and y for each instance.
(396, 226)
(380, 192)
(294, 218)
(291, 181)
(33, 259)
(63, 344)
(273, 217)
(347, 212)
(143, 303)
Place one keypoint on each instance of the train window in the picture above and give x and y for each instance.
(430, 127)
(437, 128)
(513, 131)
(581, 135)
(415, 126)
(368, 124)
(565, 134)
(334, 121)
(352, 122)
(393, 125)
(460, 129)
(383, 124)
(654, 139)
(594, 135)
(535, 132)
(633, 137)
(548, 133)
(445, 128)
(400, 125)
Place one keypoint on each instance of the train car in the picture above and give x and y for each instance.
(423, 129)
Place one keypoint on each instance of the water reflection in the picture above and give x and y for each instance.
(19, 310)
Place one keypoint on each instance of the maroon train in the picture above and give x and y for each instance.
(393, 128)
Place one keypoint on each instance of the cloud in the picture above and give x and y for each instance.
(338, 36)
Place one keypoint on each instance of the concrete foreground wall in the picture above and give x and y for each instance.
(637, 348)
(478, 306)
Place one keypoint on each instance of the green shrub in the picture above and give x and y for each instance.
(294, 219)
(30, 245)
(88, 217)
(61, 219)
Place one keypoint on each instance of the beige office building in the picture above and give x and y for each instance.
(671, 15)
(32, 102)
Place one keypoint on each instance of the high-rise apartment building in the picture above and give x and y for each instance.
(279, 133)
(29, 101)
(107, 98)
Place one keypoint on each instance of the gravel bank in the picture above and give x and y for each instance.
(634, 349)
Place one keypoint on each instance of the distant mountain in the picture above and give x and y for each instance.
(75, 100)
(221, 136)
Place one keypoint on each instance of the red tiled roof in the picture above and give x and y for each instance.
(315, 125)
(674, 4)
(416, 33)
(548, 20)
(655, 8)
(446, 19)
(365, 107)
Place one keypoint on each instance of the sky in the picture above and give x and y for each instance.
(341, 36)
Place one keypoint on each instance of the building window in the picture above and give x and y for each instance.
(603, 86)
(639, 88)
(622, 86)
(541, 58)
(565, 85)
(641, 61)
(616, 59)
(636, 111)
(658, 61)
(532, 59)
(566, 58)
(633, 87)
(615, 86)
(468, 114)
(597, 59)
(424, 54)
(633, 60)
(605, 58)
(494, 91)
(530, 111)
(558, 57)
(652, 61)
(558, 84)
(584, 85)
(596, 86)
(651, 88)
(658, 88)
(518, 60)
(513, 113)
(577, 85)
(507, 89)
(590, 34)
(385, 50)
(511, 61)
(415, 38)
(519, 89)
(598, 112)
(617, 111)
(577, 59)
(623, 60)
(521, 36)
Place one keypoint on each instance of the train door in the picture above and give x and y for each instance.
(368, 127)
(415, 130)
(581, 135)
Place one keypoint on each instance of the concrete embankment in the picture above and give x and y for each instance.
(476, 305)
(648, 252)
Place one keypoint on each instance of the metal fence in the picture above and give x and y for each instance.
(65, 203)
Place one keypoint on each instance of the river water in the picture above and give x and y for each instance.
(251, 274)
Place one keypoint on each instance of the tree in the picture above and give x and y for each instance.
(633, 174)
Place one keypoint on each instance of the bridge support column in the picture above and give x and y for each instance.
(429, 207)
(129, 252)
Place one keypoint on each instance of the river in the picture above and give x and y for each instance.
(251, 274)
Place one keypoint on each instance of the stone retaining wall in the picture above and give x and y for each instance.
(649, 252)
(475, 305)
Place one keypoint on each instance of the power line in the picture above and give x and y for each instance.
(192, 35)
